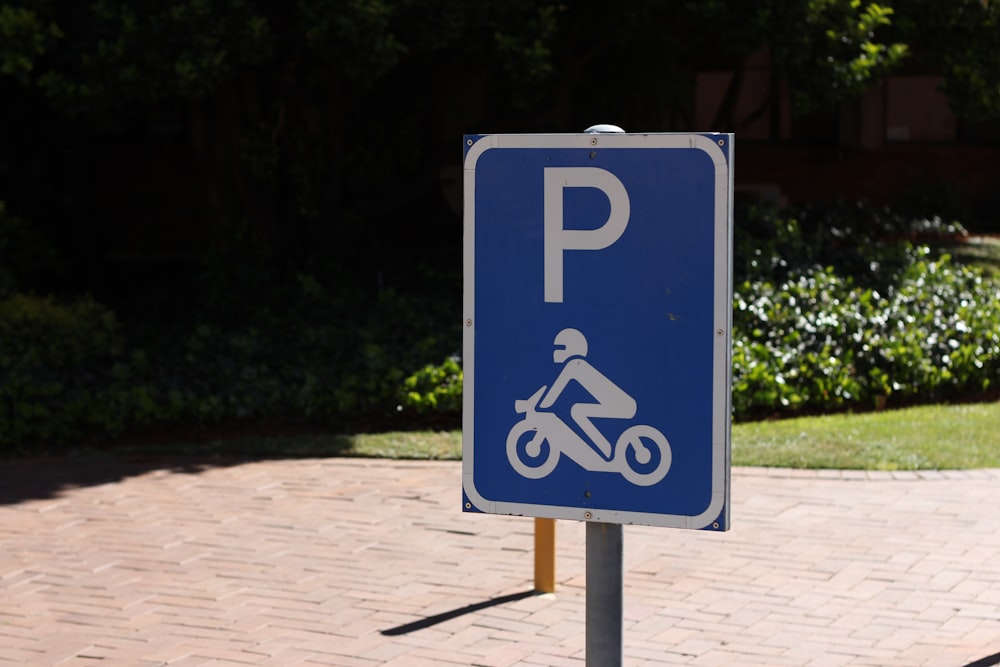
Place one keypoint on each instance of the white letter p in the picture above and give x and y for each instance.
(558, 239)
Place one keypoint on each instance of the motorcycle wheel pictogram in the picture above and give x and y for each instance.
(519, 451)
(644, 455)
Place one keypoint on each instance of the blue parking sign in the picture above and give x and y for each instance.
(598, 309)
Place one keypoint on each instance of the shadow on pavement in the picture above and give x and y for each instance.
(988, 661)
(460, 611)
(40, 479)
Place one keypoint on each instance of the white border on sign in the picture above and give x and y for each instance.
(722, 309)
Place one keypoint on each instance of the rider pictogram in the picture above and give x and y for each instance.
(612, 401)
(549, 436)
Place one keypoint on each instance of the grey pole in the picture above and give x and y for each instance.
(605, 582)
(604, 594)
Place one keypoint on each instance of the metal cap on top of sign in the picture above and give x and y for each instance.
(597, 312)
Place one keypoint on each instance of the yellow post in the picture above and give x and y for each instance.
(545, 555)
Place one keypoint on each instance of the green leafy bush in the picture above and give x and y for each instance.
(68, 372)
(822, 324)
(435, 388)
(324, 357)
(871, 245)
(58, 366)
(834, 309)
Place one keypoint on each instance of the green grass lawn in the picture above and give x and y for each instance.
(941, 437)
(925, 438)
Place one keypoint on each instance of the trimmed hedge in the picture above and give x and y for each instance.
(834, 309)
(59, 365)
(68, 372)
(817, 341)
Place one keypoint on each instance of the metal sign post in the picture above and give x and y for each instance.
(605, 603)
(605, 594)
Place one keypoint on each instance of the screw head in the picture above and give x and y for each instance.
(587, 515)
(468, 506)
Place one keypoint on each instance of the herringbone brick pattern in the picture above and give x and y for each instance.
(359, 563)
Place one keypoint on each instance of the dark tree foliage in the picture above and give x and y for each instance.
(961, 41)
(264, 197)
(291, 134)
(303, 128)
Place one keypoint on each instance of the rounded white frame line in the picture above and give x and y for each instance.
(721, 357)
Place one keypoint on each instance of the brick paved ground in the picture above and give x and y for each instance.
(356, 563)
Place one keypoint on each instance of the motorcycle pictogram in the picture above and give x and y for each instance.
(641, 454)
